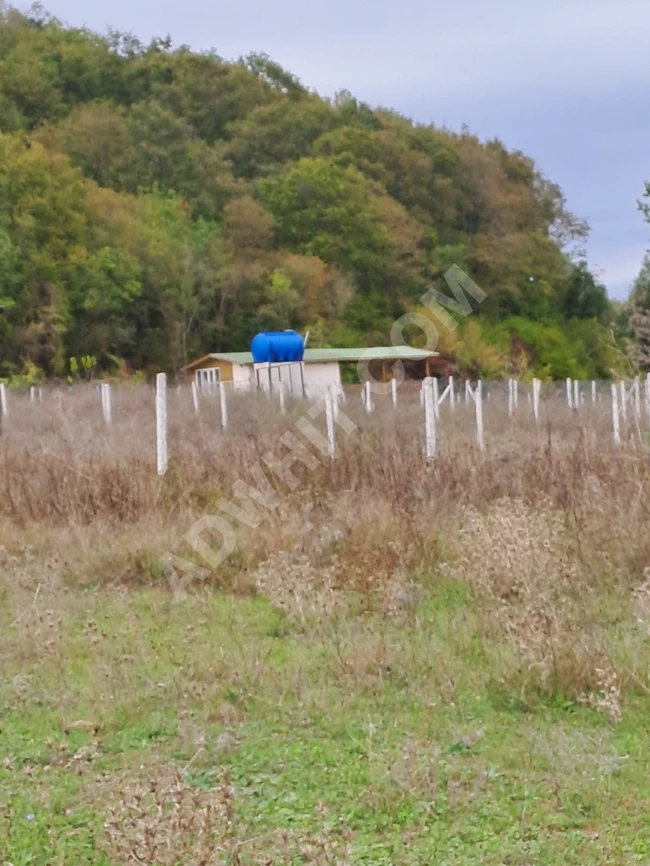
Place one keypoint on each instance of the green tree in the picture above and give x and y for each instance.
(277, 133)
(584, 298)
(41, 223)
(337, 214)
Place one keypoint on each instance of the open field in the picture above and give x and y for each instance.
(401, 664)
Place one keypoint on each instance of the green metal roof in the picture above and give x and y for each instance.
(375, 353)
(233, 357)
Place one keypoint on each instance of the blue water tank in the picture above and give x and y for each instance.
(277, 347)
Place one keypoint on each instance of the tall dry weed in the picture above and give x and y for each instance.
(532, 591)
(165, 820)
(310, 591)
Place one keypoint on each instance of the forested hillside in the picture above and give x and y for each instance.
(157, 203)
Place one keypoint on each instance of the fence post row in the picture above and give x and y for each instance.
(431, 400)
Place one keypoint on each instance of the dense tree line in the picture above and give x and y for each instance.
(156, 203)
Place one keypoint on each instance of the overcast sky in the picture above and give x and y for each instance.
(566, 81)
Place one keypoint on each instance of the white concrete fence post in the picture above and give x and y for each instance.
(195, 399)
(436, 397)
(439, 399)
(367, 397)
(224, 407)
(3, 400)
(329, 421)
(107, 411)
(476, 394)
(429, 419)
(569, 394)
(615, 415)
(393, 391)
(478, 399)
(336, 396)
(623, 400)
(161, 424)
(340, 400)
(537, 385)
(576, 394)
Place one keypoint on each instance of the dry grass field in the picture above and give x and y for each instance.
(403, 663)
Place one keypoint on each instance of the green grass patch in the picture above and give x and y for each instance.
(390, 731)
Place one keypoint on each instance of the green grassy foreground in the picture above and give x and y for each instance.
(391, 738)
